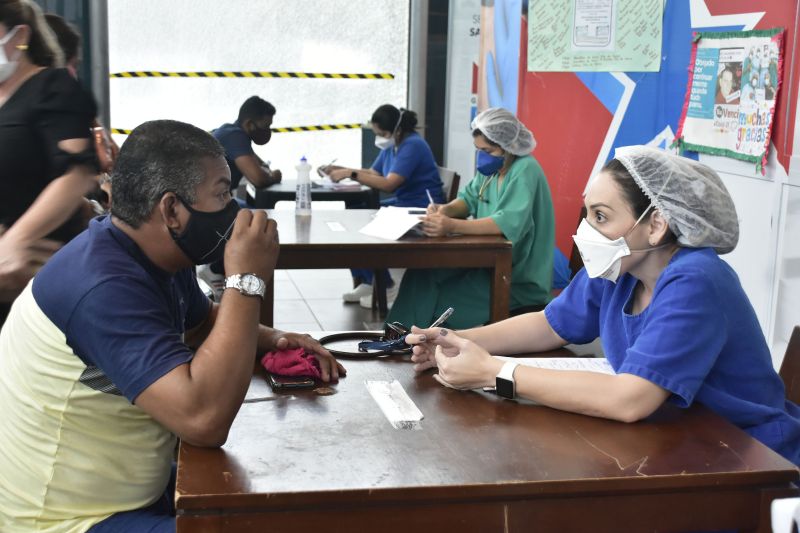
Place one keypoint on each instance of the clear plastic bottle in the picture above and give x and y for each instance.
(302, 201)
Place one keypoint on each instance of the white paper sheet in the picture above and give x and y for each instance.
(335, 226)
(587, 364)
(393, 222)
(344, 185)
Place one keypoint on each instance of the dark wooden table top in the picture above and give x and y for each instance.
(331, 239)
(341, 227)
(266, 197)
(305, 449)
(290, 186)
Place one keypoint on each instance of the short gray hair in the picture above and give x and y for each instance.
(159, 156)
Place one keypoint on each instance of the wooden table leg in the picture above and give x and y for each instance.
(379, 292)
(501, 286)
(268, 302)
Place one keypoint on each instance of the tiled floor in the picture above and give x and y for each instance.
(311, 300)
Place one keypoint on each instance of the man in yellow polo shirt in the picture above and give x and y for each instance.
(112, 350)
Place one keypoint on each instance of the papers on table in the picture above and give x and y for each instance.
(587, 364)
(345, 185)
(393, 222)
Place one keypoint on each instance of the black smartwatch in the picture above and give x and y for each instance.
(354, 175)
(504, 382)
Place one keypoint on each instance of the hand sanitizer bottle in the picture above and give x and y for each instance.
(302, 201)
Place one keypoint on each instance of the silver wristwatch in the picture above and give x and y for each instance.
(247, 284)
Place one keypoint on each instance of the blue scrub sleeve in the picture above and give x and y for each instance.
(682, 336)
(379, 162)
(575, 313)
(406, 160)
(134, 344)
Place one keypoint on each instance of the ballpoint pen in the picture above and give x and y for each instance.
(444, 316)
(321, 170)
(430, 197)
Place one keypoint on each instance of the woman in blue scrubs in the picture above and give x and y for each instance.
(405, 168)
(673, 318)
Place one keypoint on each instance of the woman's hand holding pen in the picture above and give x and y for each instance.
(325, 170)
(462, 363)
(436, 224)
(423, 353)
(340, 173)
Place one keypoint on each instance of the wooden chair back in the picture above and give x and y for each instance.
(450, 183)
(790, 367)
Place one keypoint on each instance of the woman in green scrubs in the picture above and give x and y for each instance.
(509, 196)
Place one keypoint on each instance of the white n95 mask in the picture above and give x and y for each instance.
(382, 143)
(602, 257)
(7, 67)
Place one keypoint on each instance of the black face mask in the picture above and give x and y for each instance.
(260, 136)
(203, 240)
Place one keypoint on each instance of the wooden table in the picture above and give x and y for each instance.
(330, 239)
(267, 197)
(306, 462)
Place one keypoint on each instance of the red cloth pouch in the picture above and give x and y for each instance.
(293, 362)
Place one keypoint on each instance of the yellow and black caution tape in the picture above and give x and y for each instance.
(321, 127)
(250, 74)
(289, 129)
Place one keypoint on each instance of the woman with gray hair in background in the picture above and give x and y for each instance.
(509, 196)
(673, 318)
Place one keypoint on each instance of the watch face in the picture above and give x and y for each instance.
(504, 388)
(251, 284)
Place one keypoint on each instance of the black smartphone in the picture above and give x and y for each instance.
(279, 383)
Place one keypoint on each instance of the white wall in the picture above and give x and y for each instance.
(786, 289)
(463, 44)
(334, 36)
(767, 258)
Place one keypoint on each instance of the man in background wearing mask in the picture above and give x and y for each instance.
(253, 125)
(113, 351)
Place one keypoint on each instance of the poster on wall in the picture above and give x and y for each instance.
(463, 39)
(498, 65)
(594, 35)
(733, 85)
